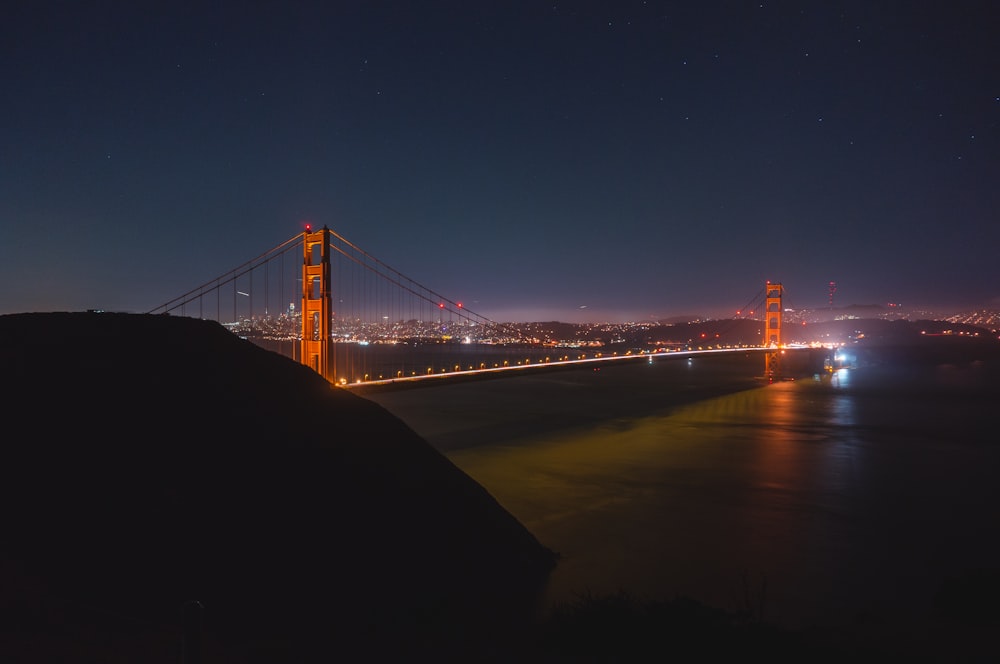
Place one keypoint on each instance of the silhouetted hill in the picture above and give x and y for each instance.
(152, 460)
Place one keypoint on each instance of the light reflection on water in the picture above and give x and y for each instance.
(827, 504)
(844, 499)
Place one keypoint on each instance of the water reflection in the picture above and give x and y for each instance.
(853, 495)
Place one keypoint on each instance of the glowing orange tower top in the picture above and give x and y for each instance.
(317, 308)
(772, 331)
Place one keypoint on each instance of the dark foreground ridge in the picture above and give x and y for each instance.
(151, 461)
(152, 464)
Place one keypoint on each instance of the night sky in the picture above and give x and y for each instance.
(536, 160)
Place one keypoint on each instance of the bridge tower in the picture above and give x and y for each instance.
(317, 309)
(772, 330)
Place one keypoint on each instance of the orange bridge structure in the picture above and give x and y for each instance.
(326, 303)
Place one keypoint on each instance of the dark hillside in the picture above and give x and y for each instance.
(152, 460)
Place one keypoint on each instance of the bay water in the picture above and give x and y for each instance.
(841, 501)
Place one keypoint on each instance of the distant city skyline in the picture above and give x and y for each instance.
(579, 162)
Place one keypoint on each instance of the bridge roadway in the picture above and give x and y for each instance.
(802, 361)
(530, 364)
(455, 414)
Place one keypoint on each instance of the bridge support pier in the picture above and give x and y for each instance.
(317, 309)
(772, 331)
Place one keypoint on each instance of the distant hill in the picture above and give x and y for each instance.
(152, 460)
(930, 338)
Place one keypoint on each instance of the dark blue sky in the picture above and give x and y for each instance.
(539, 161)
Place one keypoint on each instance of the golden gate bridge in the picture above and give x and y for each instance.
(325, 302)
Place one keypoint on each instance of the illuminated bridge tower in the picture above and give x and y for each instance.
(772, 331)
(317, 309)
